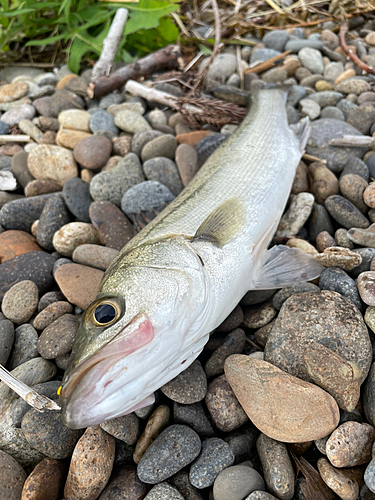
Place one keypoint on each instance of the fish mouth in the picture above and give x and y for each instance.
(82, 380)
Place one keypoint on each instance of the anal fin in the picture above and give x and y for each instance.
(284, 266)
(223, 223)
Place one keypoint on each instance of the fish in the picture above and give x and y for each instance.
(181, 276)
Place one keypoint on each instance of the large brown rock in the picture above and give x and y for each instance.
(14, 243)
(78, 283)
(46, 482)
(283, 407)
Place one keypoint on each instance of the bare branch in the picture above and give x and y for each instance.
(354, 141)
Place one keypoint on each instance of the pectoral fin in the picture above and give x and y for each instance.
(223, 223)
(284, 266)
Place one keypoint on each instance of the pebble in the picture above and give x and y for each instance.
(70, 138)
(124, 484)
(277, 467)
(63, 99)
(353, 187)
(216, 455)
(220, 69)
(261, 55)
(368, 398)
(339, 257)
(77, 197)
(156, 423)
(366, 287)
(325, 129)
(345, 213)
(165, 146)
(29, 128)
(46, 482)
(94, 256)
(297, 214)
(112, 184)
(276, 40)
(164, 171)
(131, 122)
(53, 217)
(342, 240)
(353, 86)
(6, 340)
(190, 386)
(136, 107)
(14, 243)
(33, 266)
(234, 320)
(223, 406)
(73, 234)
(75, 119)
(12, 477)
(102, 120)
(51, 312)
(24, 347)
(181, 482)
(163, 491)
(57, 338)
(13, 91)
(323, 241)
(362, 118)
(234, 343)
(236, 482)
(289, 338)
(350, 444)
(125, 428)
(195, 417)
(20, 169)
(331, 112)
(323, 182)
(369, 195)
(91, 465)
(121, 145)
(331, 372)
(364, 237)
(344, 482)
(93, 152)
(259, 315)
(282, 295)
(303, 245)
(4, 128)
(176, 447)
(280, 405)
(309, 108)
(114, 229)
(337, 280)
(260, 495)
(145, 197)
(46, 433)
(41, 186)
(52, 162)
(15, 115)
(78, 283)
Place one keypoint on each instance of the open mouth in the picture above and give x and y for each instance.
(136, 334)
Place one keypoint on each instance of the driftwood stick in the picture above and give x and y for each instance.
(354, 141)
(167, 58)
(14, 138)
(270, 63)
(351, 55)
(31, 397)
(110, 45)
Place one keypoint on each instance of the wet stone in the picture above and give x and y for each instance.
(331, 372)
(223, 406)
(6, 340)
(124, 484)
(24, 347)
(163, 491)
(78, 283)
(176, 447)
(282, 295)
(164, 171)
(216, 455)
(236, 482)
(190, 386)
(233, 344)
(77, 197)
(194, 416)
(46, 482)
(54, 216)
(277, 467)
(46, 433)
(280, 405)
(57, 338)
(125, 428)
(339, 257)
(12, 477)
(319, 317)
(20, 301)
(337, 280)
(344, 482)
(350, 444)
(112, 184)
(91, 465)
(345, 213)
(94, 256)
(114, 229)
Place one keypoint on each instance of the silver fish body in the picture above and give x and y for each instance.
(181, 276)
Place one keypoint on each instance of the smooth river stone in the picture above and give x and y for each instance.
(46, 482)
(296, 215)
(190, 386)
(366, 287)
(52, 162)
(331, 372)
(78, 283)
(350, 444)
(363, 237)
(345, 213)
(327, 318)
(344, 482)
(124, 485)
(236, 482)
(281, 406)
(12, 477)
(14, 243)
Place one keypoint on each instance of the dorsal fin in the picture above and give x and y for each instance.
(223, 223)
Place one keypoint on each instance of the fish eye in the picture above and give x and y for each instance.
(105, 313)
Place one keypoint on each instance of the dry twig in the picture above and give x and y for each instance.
(354, 141)
(352, 56)
(267, 64)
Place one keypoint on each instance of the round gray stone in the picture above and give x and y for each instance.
(337, 280)
(236, 482)
(190, 386)
(145, 196)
